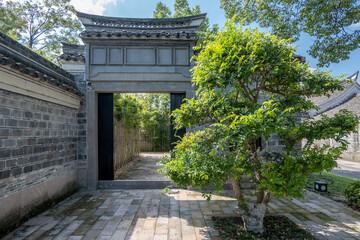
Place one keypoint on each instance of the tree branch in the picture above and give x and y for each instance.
(261, 85)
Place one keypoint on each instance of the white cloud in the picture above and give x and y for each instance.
(92, 6)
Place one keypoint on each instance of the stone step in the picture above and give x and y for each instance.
(152, 184)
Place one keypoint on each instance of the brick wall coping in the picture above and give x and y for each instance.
(26, 61)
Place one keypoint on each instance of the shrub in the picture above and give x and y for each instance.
(352, 193)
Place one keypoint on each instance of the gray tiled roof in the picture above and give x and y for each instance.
(140, 28)
(182, 35)
(153, 24)
(338, 98)
(352, 104)
(73, 52)
(20, 58)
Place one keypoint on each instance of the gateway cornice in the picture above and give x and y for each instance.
(100, 23)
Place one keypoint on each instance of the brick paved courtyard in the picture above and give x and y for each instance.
(181, 214)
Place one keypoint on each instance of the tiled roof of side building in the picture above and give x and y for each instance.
(337, 98)
(73, 52)
(20, 58)
(353, 104)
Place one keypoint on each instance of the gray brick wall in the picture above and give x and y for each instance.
(80, 82)
(38, 141)
(81, 120)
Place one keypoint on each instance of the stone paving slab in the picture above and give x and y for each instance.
(145, 167)
(181, 214)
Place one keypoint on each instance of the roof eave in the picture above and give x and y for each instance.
(92, 22)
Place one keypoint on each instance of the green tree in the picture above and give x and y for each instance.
(182, 9)
(251, 88)
(330, 22)
(9, 22)
(161, 11)
(148, 112)
(156, 119)
(128, 110)
(41, 25)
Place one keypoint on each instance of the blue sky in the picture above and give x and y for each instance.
(145, 8)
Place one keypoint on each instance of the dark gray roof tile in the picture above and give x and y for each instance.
(26, 61)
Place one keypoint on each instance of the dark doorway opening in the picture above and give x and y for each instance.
(106, 137)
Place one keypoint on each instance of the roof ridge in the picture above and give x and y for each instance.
(87, 15)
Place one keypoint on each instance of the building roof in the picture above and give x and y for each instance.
(26, 61)
(140, 28)
(73, 52)
(337, 98)
(353, 105)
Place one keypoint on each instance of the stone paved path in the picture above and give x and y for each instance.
(182, 214)
(347, 169)
(145, 168)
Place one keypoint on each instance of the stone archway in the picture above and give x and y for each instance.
(134, 55)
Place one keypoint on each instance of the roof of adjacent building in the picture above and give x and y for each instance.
(338, 98)
(26, 61)
(140, 28)
(72, 52)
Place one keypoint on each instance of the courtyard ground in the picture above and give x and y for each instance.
(181, 214)
(145, 168)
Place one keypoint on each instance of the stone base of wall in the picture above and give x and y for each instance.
(18, 207)
(82, 178)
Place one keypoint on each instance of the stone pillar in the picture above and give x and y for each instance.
(92, 139)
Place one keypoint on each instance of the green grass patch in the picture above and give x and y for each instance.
(277, 227)
(336, 185)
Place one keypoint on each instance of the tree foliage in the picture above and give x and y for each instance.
(250, 87)
(41, 25)
(161, 11)
(156, 120)
(330, 22)
(128, 110)
(182, 9)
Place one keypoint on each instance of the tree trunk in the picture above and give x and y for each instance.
(254, 219)
(237, 190)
